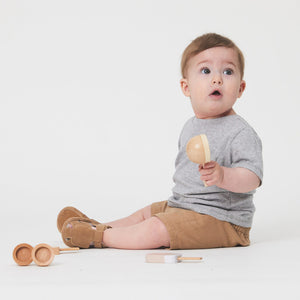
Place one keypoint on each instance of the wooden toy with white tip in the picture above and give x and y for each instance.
(168, 258)
(41, 254)
(197, 150)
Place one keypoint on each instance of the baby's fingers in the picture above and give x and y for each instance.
(205, 172)
(207, 166)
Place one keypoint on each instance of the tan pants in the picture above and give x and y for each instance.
(192, 230)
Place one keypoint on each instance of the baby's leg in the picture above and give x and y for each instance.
(137, 217)
(148, 234)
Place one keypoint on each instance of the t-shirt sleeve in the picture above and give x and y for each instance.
(246, 152)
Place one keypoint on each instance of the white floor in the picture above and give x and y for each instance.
(269, 267)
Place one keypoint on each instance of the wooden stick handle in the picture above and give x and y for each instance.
(189, 258)
(69, 249)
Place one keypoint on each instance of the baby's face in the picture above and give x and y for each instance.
(213, 82)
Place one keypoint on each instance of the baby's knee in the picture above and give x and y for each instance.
(159, 230)
(146, 211)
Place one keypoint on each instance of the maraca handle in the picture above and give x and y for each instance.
(189, 258)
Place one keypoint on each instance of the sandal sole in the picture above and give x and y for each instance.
(67, 213)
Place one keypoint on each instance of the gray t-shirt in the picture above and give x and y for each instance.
(233, 143)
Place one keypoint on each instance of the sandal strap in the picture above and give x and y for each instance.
(98, 237)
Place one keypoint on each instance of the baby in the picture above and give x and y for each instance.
(195, 216)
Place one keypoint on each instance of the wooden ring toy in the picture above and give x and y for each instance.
(22, 254)
(43, 255)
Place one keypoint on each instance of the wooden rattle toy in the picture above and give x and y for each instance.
(41, 254)
(197, 150)
(168, 258)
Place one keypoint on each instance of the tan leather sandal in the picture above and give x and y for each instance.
(70, 212)
(83, 233)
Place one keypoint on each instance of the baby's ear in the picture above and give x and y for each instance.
(242, 88)
(184, 87)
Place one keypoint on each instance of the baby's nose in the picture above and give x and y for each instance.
(217, 80)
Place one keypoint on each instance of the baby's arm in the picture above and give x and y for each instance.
(237, 180)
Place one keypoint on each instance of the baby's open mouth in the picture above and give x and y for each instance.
(216, 93)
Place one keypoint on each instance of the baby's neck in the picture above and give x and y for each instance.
(225, 114)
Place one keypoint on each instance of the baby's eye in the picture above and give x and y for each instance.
(205, 71)
(228, 72)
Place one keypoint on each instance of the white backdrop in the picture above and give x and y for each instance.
(91, 107)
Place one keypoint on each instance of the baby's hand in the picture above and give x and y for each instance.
(211, 173)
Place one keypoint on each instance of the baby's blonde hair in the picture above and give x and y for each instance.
(207, 41)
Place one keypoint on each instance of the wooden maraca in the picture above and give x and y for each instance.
(197, 150)
(41, 254)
